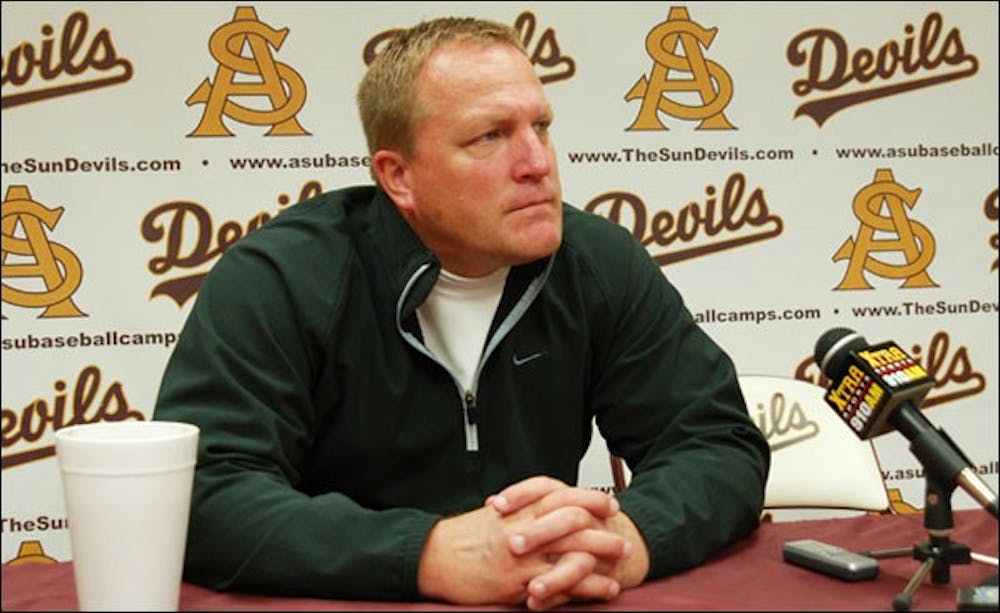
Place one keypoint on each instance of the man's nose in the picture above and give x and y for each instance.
(533, 159)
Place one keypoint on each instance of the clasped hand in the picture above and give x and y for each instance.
(540, 542)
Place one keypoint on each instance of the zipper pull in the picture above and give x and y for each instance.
(470, 408)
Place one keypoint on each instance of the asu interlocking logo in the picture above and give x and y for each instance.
(913, 240)
(283, 88)
(704, 78)
(56, 266)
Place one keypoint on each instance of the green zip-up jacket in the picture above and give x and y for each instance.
(332, 440)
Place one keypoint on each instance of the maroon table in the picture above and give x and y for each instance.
(747, 576)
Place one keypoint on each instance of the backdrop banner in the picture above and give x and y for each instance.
(791, 166)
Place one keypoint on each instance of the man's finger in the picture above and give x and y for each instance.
(597, 502)
(568, 571)
(599, 543)
(593, 587)
(549, 528)
(548, 494)
(541, 604)
(515, 497)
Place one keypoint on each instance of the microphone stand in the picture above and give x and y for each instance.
(939, 552)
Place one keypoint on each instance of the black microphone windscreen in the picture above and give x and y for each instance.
(829, 354)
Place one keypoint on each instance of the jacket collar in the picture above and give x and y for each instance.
(405, 255)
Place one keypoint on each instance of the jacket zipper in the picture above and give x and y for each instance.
(471, 422)
(471, 417)
(469, 404)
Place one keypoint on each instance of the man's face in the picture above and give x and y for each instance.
(483, 177)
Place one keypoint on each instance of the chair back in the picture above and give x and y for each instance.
(816, 460)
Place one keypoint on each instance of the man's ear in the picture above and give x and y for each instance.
(393, 175)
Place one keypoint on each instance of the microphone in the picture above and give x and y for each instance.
(877, 388)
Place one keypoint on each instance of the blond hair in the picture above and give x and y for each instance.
(387, 94)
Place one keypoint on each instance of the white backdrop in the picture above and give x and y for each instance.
(793, 166)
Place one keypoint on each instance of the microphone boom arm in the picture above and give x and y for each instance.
(940, 456)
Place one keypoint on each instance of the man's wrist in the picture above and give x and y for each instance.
(632, 570)
(430, 570)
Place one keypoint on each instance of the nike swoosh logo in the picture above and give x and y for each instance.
(518, 361)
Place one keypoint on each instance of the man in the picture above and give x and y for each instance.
(395, 384)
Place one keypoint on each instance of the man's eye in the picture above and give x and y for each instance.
(491, 135)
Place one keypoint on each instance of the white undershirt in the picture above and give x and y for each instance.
(456, 318)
